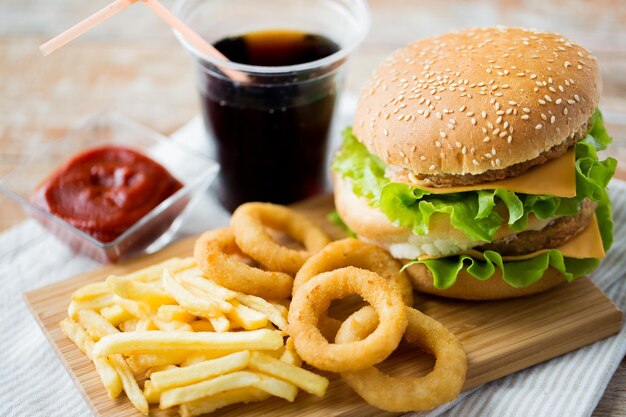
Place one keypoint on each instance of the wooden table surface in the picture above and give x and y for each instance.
(133, 64)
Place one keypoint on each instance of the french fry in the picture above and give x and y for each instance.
(204, 370)
(154, 272)
(246, 317)
(92, 304)
(144, 325)
(290, 355)
(265, 307)
(151, 394)
(198, 357)
(141, 362)
(223, 399)
(109, 377)
(194, 278)
(138, 291)
(199, 306)
(174, 313)
(131, 388)
(95, 325)
(159, 368)
(276, 387)
(136, 308)
(203, 389)
(173, 325)
(90, 291)
(202, 326)
(129, 325)
(220, 324)
(308, 381)
(115, 314)
(156, 341)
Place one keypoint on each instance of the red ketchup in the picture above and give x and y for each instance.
(104, 191)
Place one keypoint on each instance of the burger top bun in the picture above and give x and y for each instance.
(477, 100)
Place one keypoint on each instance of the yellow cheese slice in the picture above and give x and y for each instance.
(556, 177)
(586, 244)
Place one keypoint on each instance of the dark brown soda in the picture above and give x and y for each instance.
(271, 133)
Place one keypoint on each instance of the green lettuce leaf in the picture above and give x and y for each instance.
(520, 274)
(474, 212)
(365, 170)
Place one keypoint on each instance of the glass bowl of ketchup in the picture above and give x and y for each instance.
(112, 188)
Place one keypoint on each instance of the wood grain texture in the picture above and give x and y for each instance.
(133, 64)
(499, 337)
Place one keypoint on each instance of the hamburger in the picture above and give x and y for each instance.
(473, 159)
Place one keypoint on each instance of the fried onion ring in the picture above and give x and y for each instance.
(441, 385)
(353, 252)
(216, 252)
(249, 221)
(314, 297)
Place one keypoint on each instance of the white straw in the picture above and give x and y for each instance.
(192, 37)
(84, 26)
(163, 13)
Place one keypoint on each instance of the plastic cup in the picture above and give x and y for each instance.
(270, 130)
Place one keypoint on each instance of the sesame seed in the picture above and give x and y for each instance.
(526, 110)
(458, 144)
(464, 150)
(539, 126)
(422, 158)
(558, 101)
(498, 161)
(496, 131)
(462, 108)
(499, 119)
(570, 101)
(542, 102)
(553, 119)
(432, 167)
(565, 111)
(525, 117)
(484, 114)
(486, 139)
(443, 134)
(548, 98)
(473, 121)
(533, 76)
(509, 140)
(490, 125)
(544, 117)
(438, 144)
(386, 132)
(502, 134)
(475, 162)
(576, 97)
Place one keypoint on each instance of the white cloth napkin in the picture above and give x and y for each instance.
(34, 383)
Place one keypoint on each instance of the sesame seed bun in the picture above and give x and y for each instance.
(478, 101)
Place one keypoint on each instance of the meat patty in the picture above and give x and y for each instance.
(448, 180)
(556, 233)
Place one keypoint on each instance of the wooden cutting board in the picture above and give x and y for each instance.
(500, 337)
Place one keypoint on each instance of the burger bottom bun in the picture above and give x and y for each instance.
(467, 287)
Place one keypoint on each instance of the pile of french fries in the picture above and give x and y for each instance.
(193, 343)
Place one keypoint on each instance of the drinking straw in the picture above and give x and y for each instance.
(162, 12)
(84, 26)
